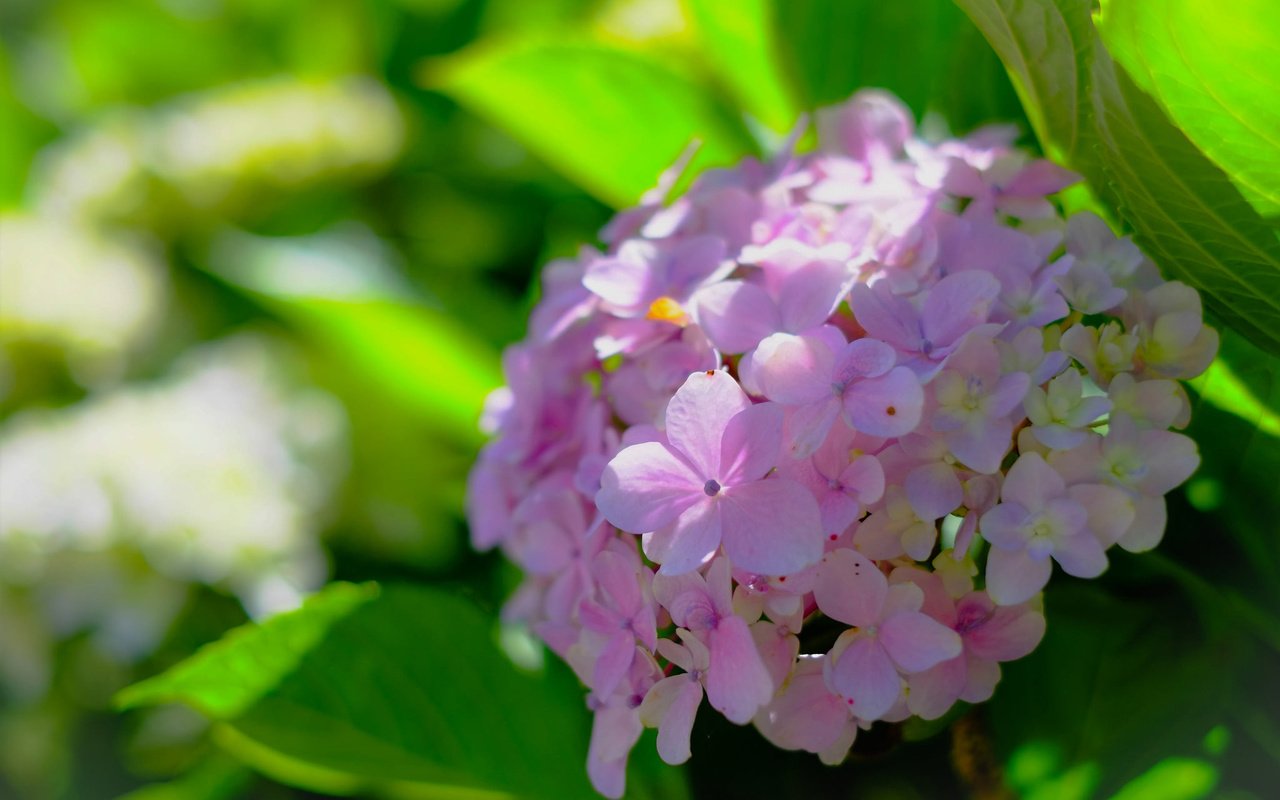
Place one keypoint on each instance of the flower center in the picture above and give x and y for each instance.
(711, 488)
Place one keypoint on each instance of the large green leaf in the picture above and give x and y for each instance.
(393, 689)
(1088, 112)
(1216, 74)
(1115, 687)
(925, 51)
(337, 290)
(608, 118)
(737, 39)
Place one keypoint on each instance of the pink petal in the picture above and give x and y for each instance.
(886, 316)
(935, 691)
(719, 586)
(1080, 555)
(934, 491)
(1032, 483)
(778, 651)
(1013, 576)
(698, 415)
(887, 406)
(771, 527)
(1009, 633)
(1111, 511)
(982, 679)
(864, 477)
(957, 304)
(1150, 516)
(626, 281)
(793, 370)
(676, 725)
(613, 663)
(810, 294)
(615, 732)
(647, 486)
(736, 315)
(692, 261)
(982, 447)
(917, 642)
(807, 426)
(1039, 178)
(617, 578)
(1006, 526)
(865, 673)
(737, 681)
(751, 445)
(864, 358)
(685, 544)
(805, 715)
(1169, 457)
(850, 588)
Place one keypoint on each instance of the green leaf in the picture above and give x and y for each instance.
(336, 289)
(1088, 112)
(1101, 684)
(396, 689)
(225, 678)
(925, 51)
(216, 777)
(610, 119)
(737, 39)
(1172, 779)
(1215, 74)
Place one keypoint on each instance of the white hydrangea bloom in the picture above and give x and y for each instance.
(218, 474)
(97, 296)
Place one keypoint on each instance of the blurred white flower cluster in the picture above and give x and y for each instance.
(218, 474)
(221, 147)
(94, 295)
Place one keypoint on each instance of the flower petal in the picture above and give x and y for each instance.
(934, 491)
(771, 527)
(647, 486)
(736, 315)
(793, 370)
(850, 588)
(935, 691)
(916, 642)
(1013, 576)
(889, 405)
(751, 444)
(1032, 483)
(864, 673)
(737, 681)
(698, 415)
(957, 304)
(685, 544)
(1080, 555)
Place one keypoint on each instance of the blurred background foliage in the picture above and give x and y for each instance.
(258, 259)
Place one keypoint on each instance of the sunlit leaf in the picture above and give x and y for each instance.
(1216, 75)
(1172, 779)
(1088, 112)
(925, 51)
(1102, 685)
(610, 119)
(400, 687)
(737, 39)
(226, 678)
(336, 289)
(215, 777)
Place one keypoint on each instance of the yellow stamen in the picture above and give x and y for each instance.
(665, 309)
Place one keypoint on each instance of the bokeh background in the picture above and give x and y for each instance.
(258, 259)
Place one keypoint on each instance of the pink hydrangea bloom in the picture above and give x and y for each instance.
(756, 449)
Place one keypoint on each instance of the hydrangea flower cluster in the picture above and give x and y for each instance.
(807, 441)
